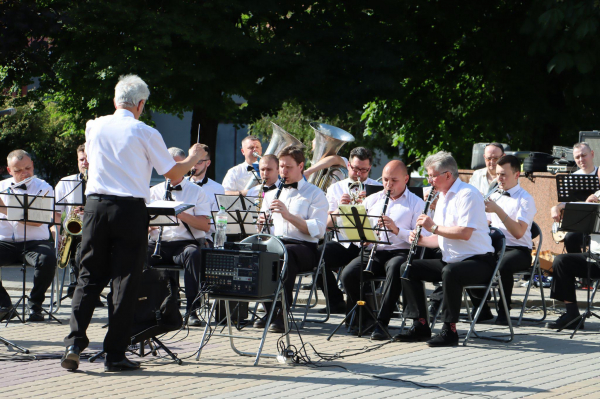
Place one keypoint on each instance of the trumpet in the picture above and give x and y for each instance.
(255, 154)
(494, 188)
(355, 189)
(413, 246)
(374, 248)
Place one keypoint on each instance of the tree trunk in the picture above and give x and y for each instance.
(208, 134)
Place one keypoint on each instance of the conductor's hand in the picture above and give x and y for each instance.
(592, 198)
(279, 207)
(197, 152)
(425, 221)
(346, 199)
(388, 223)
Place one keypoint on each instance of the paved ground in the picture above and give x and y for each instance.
(539, 363)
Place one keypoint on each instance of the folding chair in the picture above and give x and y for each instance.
(273, 245)
(320, 269)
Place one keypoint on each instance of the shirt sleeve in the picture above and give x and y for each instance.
(158, 154)
(202, 207)
(317, 215)
(526, 210)
(467, 209)
(331, 198)
(229, 180)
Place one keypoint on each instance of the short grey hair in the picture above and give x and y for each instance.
(19, 154)
(581, 146)
(177, 152)
(130, 90)
(442, 162)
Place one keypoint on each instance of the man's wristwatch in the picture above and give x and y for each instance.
(434, 228)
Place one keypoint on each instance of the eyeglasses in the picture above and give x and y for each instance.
(491, 158)
(360, 170)
(431, 177)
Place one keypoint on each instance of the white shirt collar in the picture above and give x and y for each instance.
(124, 112)
(514, 190)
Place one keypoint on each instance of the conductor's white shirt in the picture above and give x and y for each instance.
(463, 206)
(14, 231)
(122, 151)
(307, 202)
(237, 177)
(189, 194)
(519, 206)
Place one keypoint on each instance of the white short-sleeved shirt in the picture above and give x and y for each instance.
(479, 180)
(519, 206)
(307, 202)
(237, 177)
(463, 206)
(211, 188)
(14, 231)
(404, 211)
(189, 194)
(581, 172)
(122, 151)
(65, 193)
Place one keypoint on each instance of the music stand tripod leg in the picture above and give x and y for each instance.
(12, 345)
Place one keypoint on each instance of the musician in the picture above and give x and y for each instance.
(181, 245)
(338, 255)
(402, 212)
(237, 177)
(460, 228)
(210, 187)
(39, 250)
(299, 218)
(122, 152)
(512, 211)
(584, 158)
(482, 178)
(268, 167)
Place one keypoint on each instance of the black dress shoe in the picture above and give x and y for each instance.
(379, 334)
(4, 310)
(261, 322)
(486, 314)
(501, 320)
(444, 338)
(70, 359)
(334, 308)
(193, 320)
(121, 365)
(563, 320)
(277, 325)
(416, 333)
(35, 316)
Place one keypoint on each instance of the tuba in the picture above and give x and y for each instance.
(279, 140)
(329, 140)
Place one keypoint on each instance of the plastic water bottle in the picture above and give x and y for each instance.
(221, 228)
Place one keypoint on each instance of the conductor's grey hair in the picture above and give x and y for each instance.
(130, 90)
(441, 162)
(177, 152)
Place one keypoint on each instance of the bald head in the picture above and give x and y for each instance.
(395, 178)
(396, 167)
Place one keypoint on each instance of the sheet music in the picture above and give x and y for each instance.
(45, 213)
(347, 222)
(162, 207)
(235, 202)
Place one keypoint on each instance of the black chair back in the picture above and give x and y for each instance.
(498, 241)
(535, 230)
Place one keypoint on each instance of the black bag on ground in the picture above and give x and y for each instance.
(157, 309)
(537, 162)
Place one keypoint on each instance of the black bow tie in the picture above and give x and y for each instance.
(202, 182)
(175, 188)
(250, 168)
(506, 193)
(291, 185)
(269, 188)
(20, 186)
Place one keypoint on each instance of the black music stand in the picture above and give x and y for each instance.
(233, 204)
(241, 222)
(34, 209)
(583, 218)
(359, 224)
(576, 188)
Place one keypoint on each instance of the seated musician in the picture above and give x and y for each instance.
(299, 218)
(482, 178)
(237, 177)
(39, 249)
(512, 211)
(584, 158)
(460, 228)
(268, 167)
(338, 255)
(181, 244)
(403, 209)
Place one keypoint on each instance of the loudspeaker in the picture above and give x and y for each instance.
(593, 139)
(477, 161)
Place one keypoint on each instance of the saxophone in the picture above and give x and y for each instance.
(72, 227)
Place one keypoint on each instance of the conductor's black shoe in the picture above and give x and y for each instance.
(335, 308)
(379, 334)
(444, 338)
(193, 320)
(121, 365)
(486, 314)
(562, 322)
(70, 359)
(416, 333)
(35, 315)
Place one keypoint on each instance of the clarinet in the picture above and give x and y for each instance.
(269, 218)
(374, 248)
(167, 197)
(413, 246)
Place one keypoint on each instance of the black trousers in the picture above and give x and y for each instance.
(184, 253)
(40, 255)
(337, 256)
(566, 268)
(385, 263)
(115, 238)
(573, 242)
(516, 259)
(477, 269)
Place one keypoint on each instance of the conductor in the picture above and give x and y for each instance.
(122, 152)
